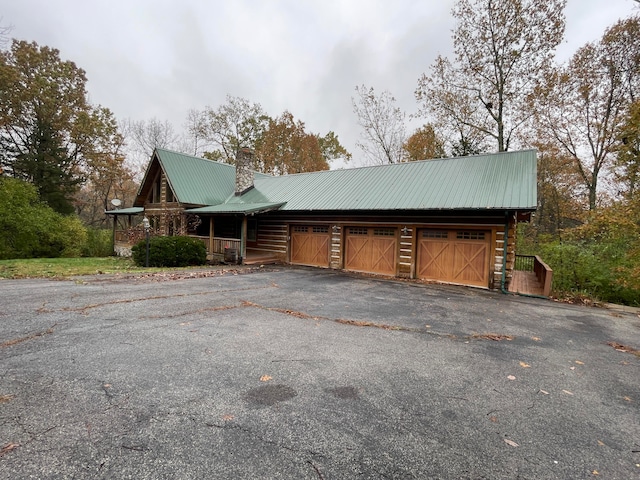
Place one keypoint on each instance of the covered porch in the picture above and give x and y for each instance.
(230, 232)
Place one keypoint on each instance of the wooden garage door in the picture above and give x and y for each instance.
(456, 256)
(371, 250)
(310, 245)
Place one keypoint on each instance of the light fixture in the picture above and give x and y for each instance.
(405, 231)
(147, 226)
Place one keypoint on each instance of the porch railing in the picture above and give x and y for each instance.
(132, 236)
(533, 263)
(219, 244)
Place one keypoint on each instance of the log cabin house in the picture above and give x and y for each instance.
(444, 220)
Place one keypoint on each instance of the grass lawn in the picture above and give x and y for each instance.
(66, 267)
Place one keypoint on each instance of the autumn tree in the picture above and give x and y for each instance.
(235, 124)
(48, 129)
(627, 160)
(107, 173)
(286, 147)
(582, 105)
(501, 50)
(383, 126)
(423, 144)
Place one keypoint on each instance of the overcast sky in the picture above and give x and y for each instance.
(160, 58)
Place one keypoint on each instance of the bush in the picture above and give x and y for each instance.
(31, 229)
(170, 252)
(99, 243)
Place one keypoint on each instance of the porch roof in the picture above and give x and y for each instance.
(125, 211)
(244, 208)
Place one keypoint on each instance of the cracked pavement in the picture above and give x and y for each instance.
(285, 372)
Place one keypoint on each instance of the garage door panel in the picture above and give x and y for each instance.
(435, 258)
(469, 265)
(371, 250)
(310, 245)
(454, 256)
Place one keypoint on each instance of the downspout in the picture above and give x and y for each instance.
(504, 256)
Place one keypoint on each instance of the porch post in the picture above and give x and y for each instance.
(113, 243)
(211, 236)
(243, 239)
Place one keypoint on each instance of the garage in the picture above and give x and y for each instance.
(454, 256)
(310, 245)
(371, 250)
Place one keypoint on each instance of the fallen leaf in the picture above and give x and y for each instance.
(265, 378)
(427, 326)
(493, 419)
(535, 339)
(595, 472)
(543, 391)
(601, 443)
(107, 385)
(5, 398)
(8, 447)
(572, 368)
(628, 399)
(511, 442)
(511, 377)
(579, 362)
(525, 365)
(567, 392)
(228, 417)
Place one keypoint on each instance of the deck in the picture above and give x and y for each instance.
(526, 283)
(531, 276)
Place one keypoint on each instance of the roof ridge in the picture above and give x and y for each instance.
(399, 164)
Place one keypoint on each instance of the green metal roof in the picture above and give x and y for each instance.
(194, 180)
(493, 181)
(197, 181)
(245, 208)
(503, 181)
(125, 211)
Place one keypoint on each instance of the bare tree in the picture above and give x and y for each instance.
(502, 49)
(582, 106)
(4, 34)
(196, 128)
(383, 126)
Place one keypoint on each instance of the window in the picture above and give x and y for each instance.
(470, 235)
(435, 234)
(384, 232)
(300, 229)
(358, 231)
(320, 229)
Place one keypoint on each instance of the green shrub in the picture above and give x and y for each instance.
(99, 243)
(31, 229)
(170, 252)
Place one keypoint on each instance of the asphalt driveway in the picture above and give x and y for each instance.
(310, 374)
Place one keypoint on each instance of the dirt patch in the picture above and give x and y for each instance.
(496, 337)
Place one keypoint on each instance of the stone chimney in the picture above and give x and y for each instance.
(244, 172)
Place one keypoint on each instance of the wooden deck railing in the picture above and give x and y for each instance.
(132, 236)
(219, 244)
(533, 263)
